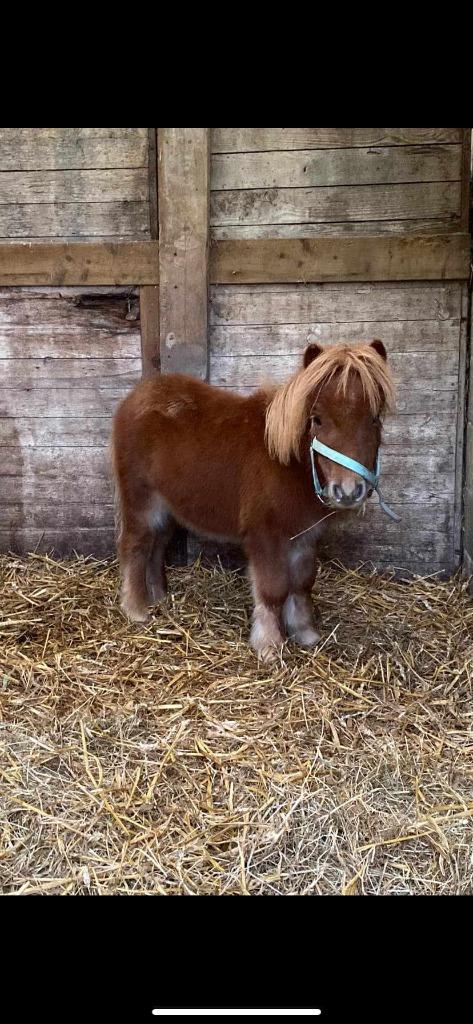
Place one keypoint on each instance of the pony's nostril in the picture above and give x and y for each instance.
(337, 493)
(360, 492)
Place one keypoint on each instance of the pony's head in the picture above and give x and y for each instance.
(339, 397)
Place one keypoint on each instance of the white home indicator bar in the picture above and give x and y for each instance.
(237, 1013)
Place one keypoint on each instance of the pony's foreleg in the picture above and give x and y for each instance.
(299, 618)
(270, 590)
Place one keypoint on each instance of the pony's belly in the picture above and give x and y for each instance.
(215, 524)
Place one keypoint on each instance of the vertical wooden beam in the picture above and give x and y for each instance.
(466, 179)
(149, 313)
(184, 233)
(149, 296)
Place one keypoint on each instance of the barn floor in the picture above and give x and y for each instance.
(165, 760)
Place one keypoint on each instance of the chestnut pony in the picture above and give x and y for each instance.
(260, 471)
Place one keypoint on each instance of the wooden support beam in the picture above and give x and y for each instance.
(466, 179)
(149, 313)
(319, 260)
(73, 264)
(184, 218)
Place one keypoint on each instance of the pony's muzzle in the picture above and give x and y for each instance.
(347, 494)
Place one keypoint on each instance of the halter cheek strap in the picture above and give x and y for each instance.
(371, 477)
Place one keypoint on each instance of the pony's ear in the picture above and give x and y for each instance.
(312, 353)
(380, 349)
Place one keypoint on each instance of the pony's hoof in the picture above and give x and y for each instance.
(133, 614)
(308, 638)
(269, 655)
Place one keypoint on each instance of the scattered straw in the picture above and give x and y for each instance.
(166, 760)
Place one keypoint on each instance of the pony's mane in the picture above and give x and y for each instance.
(288, 411)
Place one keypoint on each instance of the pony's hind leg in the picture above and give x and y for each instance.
(135, 550)
(299, 618)
(164, 526)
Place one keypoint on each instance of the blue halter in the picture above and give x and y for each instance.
(342, 460)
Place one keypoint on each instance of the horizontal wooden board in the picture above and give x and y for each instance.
(412, 370)
(78, 474)
(74, 219)
(71, 475)
(28, 343)
(247, 140)
(51, 404)
(252, 232)
(99, 543)
(62, 373)
(62, 432)
(417, 432)
(311, 168)
(102, 186)
(434, 403)
(292, 339)
(309, 304)
(341, 204)
(36, 149)
(79, 263)
(80, 516)
(432, 258)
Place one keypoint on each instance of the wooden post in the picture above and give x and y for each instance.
(149, 296)
(466, 179)
(184, 231)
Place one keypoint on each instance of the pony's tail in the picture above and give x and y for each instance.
(117, 500)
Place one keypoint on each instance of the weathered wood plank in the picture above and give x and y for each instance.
(153, 182)
(150, 319)
(71, 475)
(99, 543)
(308, 205)
(102, 186)
(310, 168)
(310, 304)
(28, 343)
(436, 258)
(412, 433)
(51, 403)
(247, 140)
(466, 178)
(63, 432)
(422, 555)
(434, 403)
(74, 219)
(80, 516)
(79, 263)
(412, 370)
(292, 339)
(184, 189)
(34, 475)
(252, 232)
(62, 373)
(36, 149)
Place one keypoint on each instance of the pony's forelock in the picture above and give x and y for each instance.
(287, 414)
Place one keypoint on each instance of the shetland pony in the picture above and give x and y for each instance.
(239, 469)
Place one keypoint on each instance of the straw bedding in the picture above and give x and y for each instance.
(166, 760)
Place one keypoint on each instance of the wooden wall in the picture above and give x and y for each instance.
(364, 203)
(305, 182)
(66, 360)
(311, 182)
(75, 183)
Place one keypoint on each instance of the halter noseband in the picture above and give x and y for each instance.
(342, 460)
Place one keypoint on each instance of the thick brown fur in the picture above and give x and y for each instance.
(238, 469)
